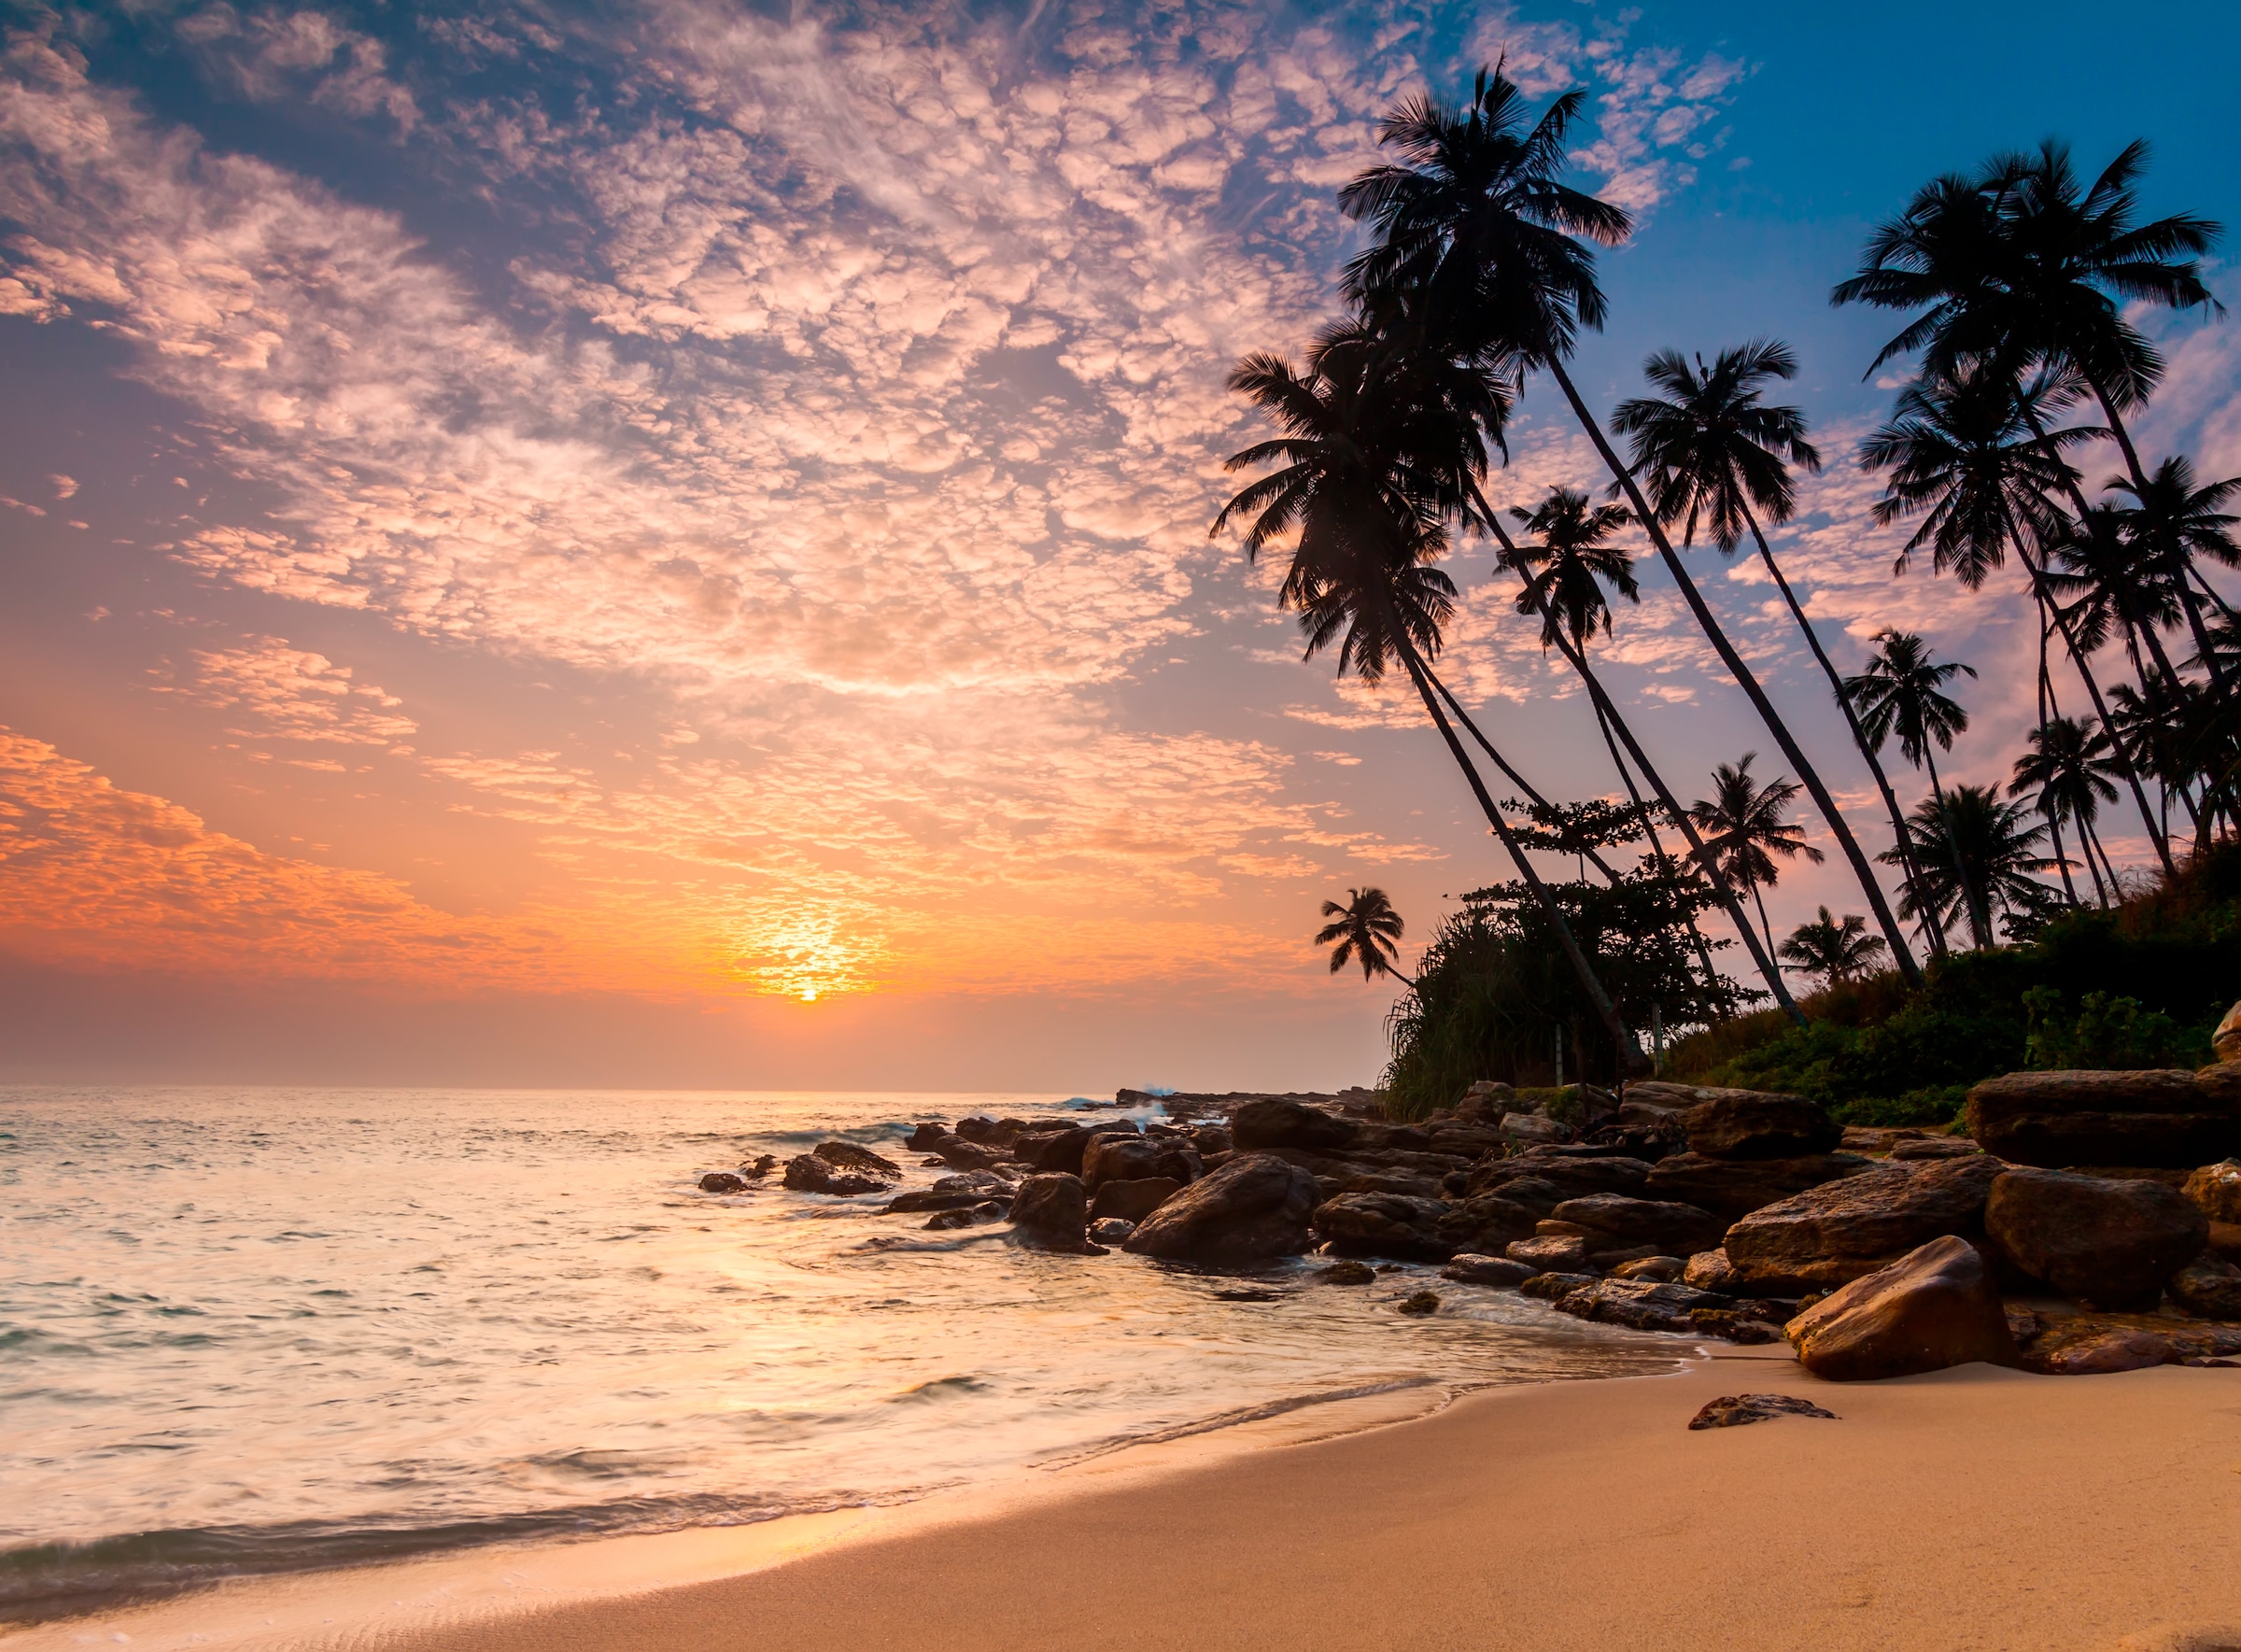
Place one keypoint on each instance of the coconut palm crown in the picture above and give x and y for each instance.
(1364, 929)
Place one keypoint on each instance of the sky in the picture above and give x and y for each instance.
(667, 542)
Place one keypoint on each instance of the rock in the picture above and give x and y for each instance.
(1932, 1146)
(1554, 1287)
(1651, 1097)
(1421, 1302)
(1253, 1208)
(2215, 1189)
(1060, 1151)
(723, 1182)
(1658, 1270)
(1132, 1201)
(1212, 1139)
(1734, 1410)
(1271, 1121)
(990, 1132)
(1552, 1255)
(1842, 1230)
(1576, 1178)
(1110, 1230)
(2209, 1287)
(1052, 1211)
(1470, 1269)
(1485, 1223)
(847, 1155)
(2226, 1041)
(2084, 1344)
(967, 1156)
(760, 1169)
(1711, 1270)
(1346, 1273)
(1878, 1139)
(1179, 1162)
(2109, 1244)
(1733, 1187)
(1731, 1325)
(2106, 1353)
(1532, 1127)
(1466, 1141)
(1527, 1193)
(1612, 1261)
(813, 1174)
(2169, 1117)
(1640, 1305)
(926, 1138)
(1625, 1222)
(1758, 1124)
(2225, 1239)
(1933, 1307)
(935, 1198)
(1382, 1224)
(1117, 1158)
(941, 1219)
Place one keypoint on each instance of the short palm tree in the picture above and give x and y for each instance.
(1746, 825)
(2065, 772)
(1997, 851)
(1836, 951)
(1364, 930)
(1901, 692)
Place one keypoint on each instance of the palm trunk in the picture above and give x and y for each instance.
(1851, 721)
(2116, 890)
(1516, 778)
(1665, 863)
(1893, 934)
(1631, 1060)
(1979, 926)
(1760, 901)
(2062, 860)
(2085, 848)
(2176, 565)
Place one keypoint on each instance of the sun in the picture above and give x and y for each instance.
(809, 995)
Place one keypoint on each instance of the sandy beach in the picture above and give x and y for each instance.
(1973, 1508)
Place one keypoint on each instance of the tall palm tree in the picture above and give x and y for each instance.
(2066, 771)
(1746, 825)
(1997, 853)
(1962, 452)
(1901, 691)
(1836, 951)
(1365, 471)
(1476, 219)
(2022, 264)
(1714, 450)
(1364, 929)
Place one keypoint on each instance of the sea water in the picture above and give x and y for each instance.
(265, 1329)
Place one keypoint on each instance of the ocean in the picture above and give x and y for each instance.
(260, 1330)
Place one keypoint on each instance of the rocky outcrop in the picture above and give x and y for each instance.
(1758, 1124)
(1642, 1304)
(1132, 1201)
(1471, 1269)
(1346, 1273)
(1531, 1128)
(1110, 1230)
(1576, 1177)
(2226, 1041)
(847, 1155)
(723, 1182)
(1274, 1121)
(2108, 1244)
(1932, 1146)
(1117, 1158)
(1253, 1208)
(1061, 1149)
(990, 1132)
(1734, 1410)
(811, 1173)
(1382, 1224)
(2209, 1287)
(1485, 1223)
(1831, 1234)
(968, 1155)
(1934, 1306)
(2215, 1189)
(1556, 1287)
(926, 1138)
(1733, 1187)
(1617, 1222)
(953, 1193)
(1552, 1253)
(2083, 1344)
(2166, 1117)
(1051, 1212)
(1711, 1270)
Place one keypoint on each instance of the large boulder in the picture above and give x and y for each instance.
(1117, 1158)
(1733, 1187)
(1617, 1222)
(968, 1155)
(1533, 1128)
(1642, 1304)
(1758, 1124)
(811, 1173)
(1052, 1212)
(2166, 1117)
(847, 1155)
(2109, 1244)
(1576, 1177)
(1485, 1223)
(1551, 1253)
(1835, 1232)
(1061, 1149)
(2226, 1041)
(926, 1137)
(1382, 1224)
(1132, 1201)
(2215, 1189)
(1470, 1269)
(1255, 1206)
(2210, 1287)
(1711, 1270)
(1934, 1306)
(954, 1193)
(1271, 1121)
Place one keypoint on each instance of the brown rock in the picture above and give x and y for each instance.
(1624, 1223)
(1640, 1305)
(2209, 1287)
(1711, 1270)
(2103, 1353)
(1382, 1224)
(2109, 1244)
(1932, 1146)
(1732, 1188)
(2226, 1041)
(2216, 1191)
(1933, 1307)
(722, 1181)
(1554, 1287)
(1117, 1158)
(1253, 1208)
(810, 1173)
(1271, 1121)
(2163, 1117)
(1758, 1124)
(1658, 1270)
(1052, 1210)
(968, 1155)
(2225, 1239)
(1469, 1269)
(1420, 1302)
(1485, 1223)
(1551, 1255)
(1132, 1201)
(1576, 1177)
(926, 1138)
(849, 1156)
(1734, 1410)
(1843, 1230)
(1346, 1273)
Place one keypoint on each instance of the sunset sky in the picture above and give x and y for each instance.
(667, 543)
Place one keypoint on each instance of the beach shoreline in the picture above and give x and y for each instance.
(1972, 1507)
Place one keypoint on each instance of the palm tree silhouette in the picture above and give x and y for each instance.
(1901, 691)
(1836, 951)
(1747, 825)
(1714, 450)
(1475, 220)
(1995, 852)
(2065, 772)
(1364, 929)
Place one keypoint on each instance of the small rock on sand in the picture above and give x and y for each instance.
(1734, 1410)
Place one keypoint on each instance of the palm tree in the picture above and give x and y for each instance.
(1365, 471)
(1836, 951)
(2020, 266)
(1714, 450)
(1747, 825)
(1996, 853)
(1475, 221)
(2066, 771)
(1901, 692)
(1962, 453)
(1364, 928)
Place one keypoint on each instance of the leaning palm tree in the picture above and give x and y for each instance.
(2021, 265)
(1475, 221)
(1714, 450)
(1902, 692)
(1997, 853)
(1746, 825)
(2065, 772)
(1836, 951)
(1361, 489)
(1363, 929)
